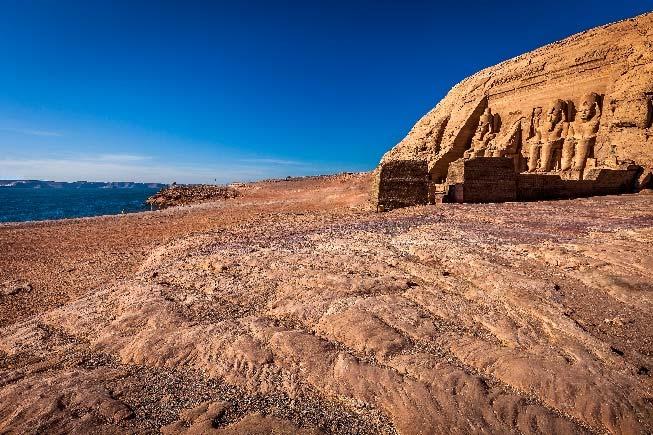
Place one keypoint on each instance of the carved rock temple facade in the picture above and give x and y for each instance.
(571, 119)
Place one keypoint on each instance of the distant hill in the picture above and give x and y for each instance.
(42, 184)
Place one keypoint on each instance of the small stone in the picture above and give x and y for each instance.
(10, 288)
(614, 322)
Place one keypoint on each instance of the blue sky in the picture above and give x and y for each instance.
(196, 91)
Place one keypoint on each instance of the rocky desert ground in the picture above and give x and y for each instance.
(295, 308)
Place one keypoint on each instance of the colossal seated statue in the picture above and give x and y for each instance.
(581, 137)
(551, 136)
(508, 145)
(535, 143)
(556, 144)
(484, 135)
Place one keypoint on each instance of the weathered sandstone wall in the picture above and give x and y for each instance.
(583, 102)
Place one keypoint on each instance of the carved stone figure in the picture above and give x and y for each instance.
(551, 135)
(508, 145)
(582, 132)
(568, 151)
(535, 144)
(485, 134)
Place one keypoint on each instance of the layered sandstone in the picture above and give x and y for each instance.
(583, 102)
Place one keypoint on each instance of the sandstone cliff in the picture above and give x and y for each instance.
(600, 81)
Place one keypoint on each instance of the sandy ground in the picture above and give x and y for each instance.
(295, 308)
(64, 259)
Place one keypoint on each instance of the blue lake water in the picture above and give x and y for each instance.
(27, 204)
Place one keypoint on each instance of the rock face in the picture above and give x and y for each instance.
(581, 103)
(183, 195)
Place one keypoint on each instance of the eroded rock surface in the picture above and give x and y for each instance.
(457, 319)
(175, 195)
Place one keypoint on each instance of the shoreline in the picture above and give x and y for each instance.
(53, 204)
(46, 221)
(237, 185)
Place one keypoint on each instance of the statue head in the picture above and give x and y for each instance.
(589, 107)
(556, 112)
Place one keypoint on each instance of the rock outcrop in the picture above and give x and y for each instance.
(175, 194)
(582, 103)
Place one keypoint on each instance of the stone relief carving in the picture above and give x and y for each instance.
(562, 138)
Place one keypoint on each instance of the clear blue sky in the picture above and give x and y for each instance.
(193, 91)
